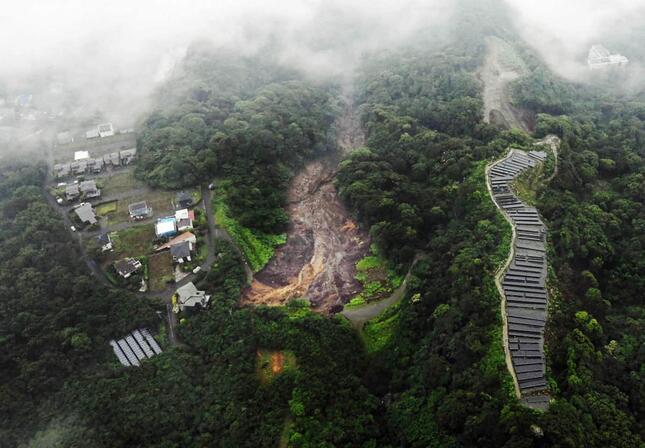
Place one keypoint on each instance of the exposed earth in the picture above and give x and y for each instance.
(502, 66)
(323, 244)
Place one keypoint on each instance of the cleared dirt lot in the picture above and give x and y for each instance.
(160, 268)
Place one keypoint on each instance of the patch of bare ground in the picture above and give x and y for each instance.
(323, 244)
(502, 65)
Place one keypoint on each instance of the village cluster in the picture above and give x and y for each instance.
(141, 238)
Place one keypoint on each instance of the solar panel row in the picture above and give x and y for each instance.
(524, 280)
(135, 347)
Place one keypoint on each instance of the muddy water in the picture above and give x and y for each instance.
(323, 243)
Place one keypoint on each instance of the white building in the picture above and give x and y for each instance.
(188, 296)
(81, 155)
(105, 130)
(600, 57)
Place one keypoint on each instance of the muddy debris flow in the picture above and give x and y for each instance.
(318, 261)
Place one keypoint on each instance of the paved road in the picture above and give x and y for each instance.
(358, 316)
(63, 212)
(166, 295)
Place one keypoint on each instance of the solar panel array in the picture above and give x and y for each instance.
(524, 280)
(135, 347)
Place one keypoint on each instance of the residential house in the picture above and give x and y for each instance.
(105, 242)
(127, 155)
(184, 219)
(600, 57)
(62, 170)
(92, 133)
(186, 236)
(139, 210)
(112, 159)
(188, 296)
(85, 213)
(181, 252)
(79, 167)
(95, 165)
(105, 130)
(166, 227)
(183, 200)
(127, 266)
(89, 190)
(72, 192)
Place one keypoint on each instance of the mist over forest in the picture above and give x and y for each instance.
(308, 223)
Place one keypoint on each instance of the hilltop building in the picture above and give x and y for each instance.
(105, 130)
(600, 57)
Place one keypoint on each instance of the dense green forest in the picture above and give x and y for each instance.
(55, 322)
(418, 185)
(244, 120)
(415, 185)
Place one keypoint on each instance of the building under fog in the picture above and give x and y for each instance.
(600, 57)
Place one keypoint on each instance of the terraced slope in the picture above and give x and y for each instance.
(523, 282)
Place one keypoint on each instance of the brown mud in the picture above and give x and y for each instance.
(318, 261)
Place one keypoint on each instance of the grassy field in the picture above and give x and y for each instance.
(271, 363)
(119, 183)
(134, 241)
(377, 279)
(378, 331)
(160, 270)
(106, 207)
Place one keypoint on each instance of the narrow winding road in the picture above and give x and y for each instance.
(166, 295)
(359, 315)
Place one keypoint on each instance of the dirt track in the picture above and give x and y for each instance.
(323, 244)
(501, 67)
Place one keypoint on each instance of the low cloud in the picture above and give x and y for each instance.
(562, 32)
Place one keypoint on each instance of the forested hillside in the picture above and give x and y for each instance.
(418, 184)
(244, 120)
(55, 323)
(244, 376)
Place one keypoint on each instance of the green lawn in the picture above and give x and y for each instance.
(378, 331)
(119, 183)
(377, 279)
(106, 207)
(134, 241)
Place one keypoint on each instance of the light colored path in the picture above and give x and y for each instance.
(359, 315)
(498, 279)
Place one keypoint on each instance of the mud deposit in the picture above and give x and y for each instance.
(323, 243)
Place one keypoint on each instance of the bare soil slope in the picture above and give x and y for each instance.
(501, 67)
(323, 243)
